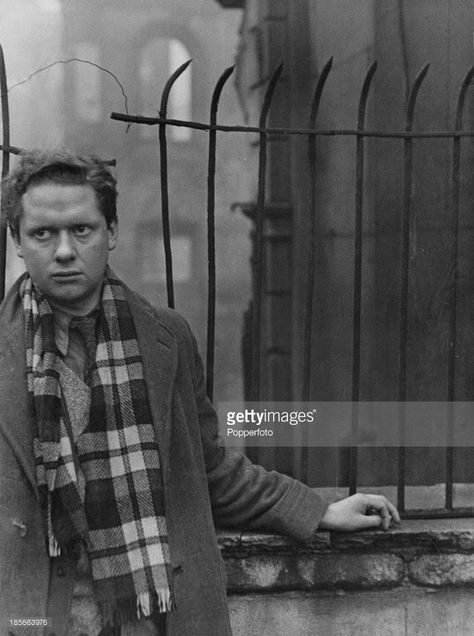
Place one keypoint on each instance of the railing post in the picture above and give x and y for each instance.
(5, 168)
(452, 337)
(164, 183)
(308, 312)
(357, 307)
(259, 239)
(404, 281)
(211, 238)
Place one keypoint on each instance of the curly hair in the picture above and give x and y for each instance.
(61, 167)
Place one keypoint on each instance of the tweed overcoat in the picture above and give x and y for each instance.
(204, 483)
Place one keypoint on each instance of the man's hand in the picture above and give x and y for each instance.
(360, 512)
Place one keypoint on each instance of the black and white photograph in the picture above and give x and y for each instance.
(237, 318)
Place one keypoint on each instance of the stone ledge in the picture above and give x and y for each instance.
(271, 573)
(244, 543)
(437, 535)
(423, 553)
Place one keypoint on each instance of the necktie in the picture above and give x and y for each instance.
(85, 326)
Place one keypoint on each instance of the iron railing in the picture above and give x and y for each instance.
(5, 163)
(311, 134)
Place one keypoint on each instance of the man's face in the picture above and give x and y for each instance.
(64, 239)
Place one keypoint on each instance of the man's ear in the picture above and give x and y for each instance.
(16, 240)
(112, 229)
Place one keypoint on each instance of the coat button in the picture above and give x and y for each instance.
(61, 571)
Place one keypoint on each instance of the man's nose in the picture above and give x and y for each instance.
(65, 249)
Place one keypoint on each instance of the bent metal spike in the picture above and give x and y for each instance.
(164, 182)
(211, 238)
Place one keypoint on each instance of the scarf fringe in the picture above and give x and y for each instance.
(54, 549)
(130, 609)
(146, 602)
(53, 545)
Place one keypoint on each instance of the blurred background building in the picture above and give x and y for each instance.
(69, 104)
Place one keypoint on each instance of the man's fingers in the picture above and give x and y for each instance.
(382, 514)
(369, 521)
(393, 511)
(384, 508)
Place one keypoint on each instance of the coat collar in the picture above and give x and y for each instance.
(158, 349)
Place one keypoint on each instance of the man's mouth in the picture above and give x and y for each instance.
(64, 276)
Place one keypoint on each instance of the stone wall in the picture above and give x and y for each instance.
(413, 579)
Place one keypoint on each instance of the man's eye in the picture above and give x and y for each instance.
(82, 230)
(42, 233)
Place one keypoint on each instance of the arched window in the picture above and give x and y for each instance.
(159, 59)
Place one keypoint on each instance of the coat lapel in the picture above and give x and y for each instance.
(159, 352)
(14, 416)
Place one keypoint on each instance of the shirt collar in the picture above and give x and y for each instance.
(61, 330)
(62, 321)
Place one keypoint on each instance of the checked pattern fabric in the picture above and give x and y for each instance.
(122, 520)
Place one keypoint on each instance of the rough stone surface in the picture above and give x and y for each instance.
(441, 534)
(443, 570)
(322, 539)
(448, 535)
(243, 544)
(466, 540)
(311, 571)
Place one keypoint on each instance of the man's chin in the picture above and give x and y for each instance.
(71, 302)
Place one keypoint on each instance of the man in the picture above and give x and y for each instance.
(110, 464)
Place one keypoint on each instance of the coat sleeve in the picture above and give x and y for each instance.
(244, 494)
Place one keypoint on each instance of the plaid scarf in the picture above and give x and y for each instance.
(122, 521)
